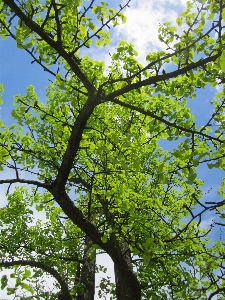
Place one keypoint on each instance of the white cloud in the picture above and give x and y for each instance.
(207, 223)
(141, 27)
(143, 19)
(219, 87)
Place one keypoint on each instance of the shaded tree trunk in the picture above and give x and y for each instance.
(126, 287)
(88, 272)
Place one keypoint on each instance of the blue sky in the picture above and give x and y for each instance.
(143, 17)
(16, 73)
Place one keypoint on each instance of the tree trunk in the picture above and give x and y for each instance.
(88, 273)
(127, 288)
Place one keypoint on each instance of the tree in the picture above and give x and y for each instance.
(89, 158)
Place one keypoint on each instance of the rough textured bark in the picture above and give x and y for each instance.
(126, 288)
(88, 273)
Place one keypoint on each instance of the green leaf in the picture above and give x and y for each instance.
(4, 281)
(223, 14)
(27, 287)
(104, 238)
(179, 21)
(222, 61)
(10, 291)
(27, 273)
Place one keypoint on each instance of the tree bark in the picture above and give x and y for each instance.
(88, 273)
(126, 287)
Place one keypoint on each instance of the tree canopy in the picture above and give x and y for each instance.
(90, 157)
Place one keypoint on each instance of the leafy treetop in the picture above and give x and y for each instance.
(90, 159)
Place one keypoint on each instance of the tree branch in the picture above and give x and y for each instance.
(218, 291)
(158, 78)
(74, 141)
(44, 267)
(103, 25)
(175, 53)
(54, 44)
(174, 125)
(26, 181)
(29, 51)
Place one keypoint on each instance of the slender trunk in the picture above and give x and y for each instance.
(88, 273)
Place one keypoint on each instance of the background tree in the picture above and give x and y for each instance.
(90, 156)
